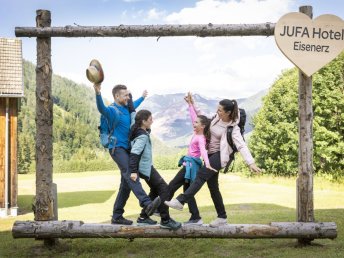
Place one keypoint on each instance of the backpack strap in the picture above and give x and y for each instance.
(230, 143)
(115, 123)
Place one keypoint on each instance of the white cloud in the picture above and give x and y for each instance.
(223, 66)
(246, 11)
(154, 14)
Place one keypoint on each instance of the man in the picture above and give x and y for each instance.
(119, 151)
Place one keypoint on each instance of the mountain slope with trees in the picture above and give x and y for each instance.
(76, 144)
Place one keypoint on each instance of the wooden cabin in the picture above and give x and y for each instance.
(11, 90)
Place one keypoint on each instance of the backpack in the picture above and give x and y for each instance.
(105, 131)
(241, 125)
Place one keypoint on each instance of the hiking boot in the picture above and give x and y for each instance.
(194, 222)
(218, 222)
(175, 204)
(145, 221)
(151, 208)
(121, 221)
(170, 224)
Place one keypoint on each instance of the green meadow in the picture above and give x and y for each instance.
(89, 197)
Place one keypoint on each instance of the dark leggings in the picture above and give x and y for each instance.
(175, 184)
(212, 179)
(158, 187)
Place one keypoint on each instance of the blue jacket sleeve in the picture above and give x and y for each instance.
(105, 111)
(138, 102)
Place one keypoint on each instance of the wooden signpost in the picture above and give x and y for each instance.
(309, 44)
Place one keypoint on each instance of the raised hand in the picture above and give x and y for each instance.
(97, 87)
(190, 98)
(145, 94)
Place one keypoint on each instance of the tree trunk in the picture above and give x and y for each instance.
(43, 207)
(305, 208)
(79, 229)
(200, 30)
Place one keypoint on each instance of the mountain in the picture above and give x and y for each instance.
(171, 118)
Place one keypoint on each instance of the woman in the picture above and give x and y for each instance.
(218, 152)
(140, 166)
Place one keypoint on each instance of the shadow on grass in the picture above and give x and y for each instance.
(66, 200)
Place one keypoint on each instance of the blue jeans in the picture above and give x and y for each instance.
(121, 157)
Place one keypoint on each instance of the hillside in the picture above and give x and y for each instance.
(75, 133)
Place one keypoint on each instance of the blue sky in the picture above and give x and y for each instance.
(216, 67)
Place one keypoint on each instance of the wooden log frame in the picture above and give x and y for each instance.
(200, 30)
(79, 229)
(305, 230)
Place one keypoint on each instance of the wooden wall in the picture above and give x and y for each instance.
(13, 146)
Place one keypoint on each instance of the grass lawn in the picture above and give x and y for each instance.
(89, 197)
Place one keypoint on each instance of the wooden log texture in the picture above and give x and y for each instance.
(79, 229)
(305, 207)
(200, 30)
(43, 207)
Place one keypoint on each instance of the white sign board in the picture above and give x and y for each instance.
(310, 44)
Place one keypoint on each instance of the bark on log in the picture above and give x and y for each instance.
(79, 229)
(305, 207)
(200, 30)
(43, 207)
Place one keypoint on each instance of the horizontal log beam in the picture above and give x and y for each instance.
(199, 30)
(79, 229)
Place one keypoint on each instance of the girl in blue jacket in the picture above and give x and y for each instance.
(141, 166)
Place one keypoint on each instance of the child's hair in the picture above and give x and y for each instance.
(232, 106)
(141, 116)
(206, 132)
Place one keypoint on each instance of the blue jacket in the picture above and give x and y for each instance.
(192, 165)
(141, 158)
(121, 131)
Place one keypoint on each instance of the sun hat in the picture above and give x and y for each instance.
(95, 72)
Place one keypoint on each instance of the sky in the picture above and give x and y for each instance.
(231, 67)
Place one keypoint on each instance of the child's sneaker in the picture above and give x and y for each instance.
(145, 221)
(194, 222)
(170, 224)
(218, 222)
(175, 204)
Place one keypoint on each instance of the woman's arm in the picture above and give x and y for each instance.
(241, 146)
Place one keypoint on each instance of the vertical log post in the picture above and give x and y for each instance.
(305, 208)
(44, 121)
(44, 202)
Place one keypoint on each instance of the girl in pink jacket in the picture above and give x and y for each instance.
(218, 152)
